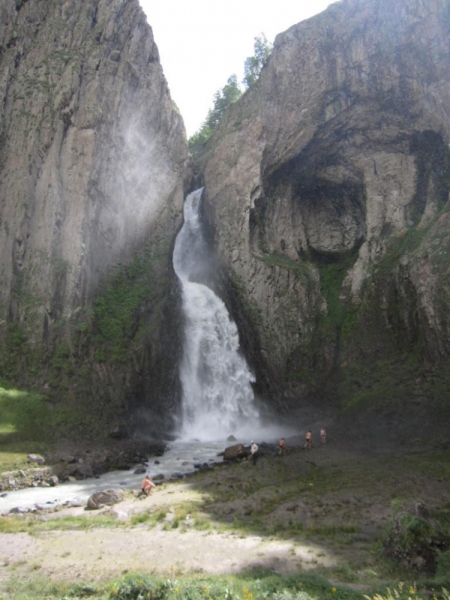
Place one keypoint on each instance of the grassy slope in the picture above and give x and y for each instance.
(336, 499)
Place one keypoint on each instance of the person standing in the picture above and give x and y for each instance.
(281, 447)
(254, 452)
(308, 440)
(323, 435)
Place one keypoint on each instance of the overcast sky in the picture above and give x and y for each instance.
(203, 42)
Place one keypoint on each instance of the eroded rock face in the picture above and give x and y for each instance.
(92, 149)
(92, 168)
(339, 151)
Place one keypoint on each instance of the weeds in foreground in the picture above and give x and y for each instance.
(32, 524)
(258, 584)
(408, 592)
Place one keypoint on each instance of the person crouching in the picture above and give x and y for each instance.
(147, 485)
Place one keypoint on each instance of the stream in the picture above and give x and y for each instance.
(178, 460)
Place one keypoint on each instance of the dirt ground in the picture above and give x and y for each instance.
(101, 553)
(320, 509)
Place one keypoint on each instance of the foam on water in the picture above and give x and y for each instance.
(218, 398)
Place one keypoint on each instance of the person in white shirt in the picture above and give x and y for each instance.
(254, 452)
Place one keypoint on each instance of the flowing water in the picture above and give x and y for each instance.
(179, 459)
(218, 397)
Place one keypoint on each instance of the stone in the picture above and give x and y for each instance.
(119, 433)
(236, 452)
(120, 515)
(36, 458)
(140, 471)
(105, 497)
(19, 510)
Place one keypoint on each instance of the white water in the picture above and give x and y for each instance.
(218, 397)
(179, 458)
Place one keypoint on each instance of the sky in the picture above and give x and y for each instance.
(203, 42)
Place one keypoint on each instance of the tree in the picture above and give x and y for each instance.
(222, 100)
(254, 64)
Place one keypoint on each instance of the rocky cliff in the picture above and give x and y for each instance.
(327, 192)
(93, 159)
(326, 198)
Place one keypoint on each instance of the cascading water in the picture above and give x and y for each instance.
(218, 398)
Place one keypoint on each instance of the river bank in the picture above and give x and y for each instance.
(323, 511)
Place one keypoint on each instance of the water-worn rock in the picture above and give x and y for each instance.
(235, 452)
(36, 458)
(140, 470)
(105, 497)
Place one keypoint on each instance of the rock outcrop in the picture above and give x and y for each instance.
(326, 188)
(93, 161)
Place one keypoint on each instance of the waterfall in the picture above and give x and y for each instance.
(218, 398)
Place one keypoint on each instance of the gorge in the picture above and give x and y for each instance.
(325, 210)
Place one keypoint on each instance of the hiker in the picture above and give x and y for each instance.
(254, 452)
(323, 435)
(281, 447)
(147, 485)
(308, 440)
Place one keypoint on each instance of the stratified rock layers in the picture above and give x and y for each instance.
(92, 160)
(327, 188)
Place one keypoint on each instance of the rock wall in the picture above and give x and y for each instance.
(93, 160)
(327, 187)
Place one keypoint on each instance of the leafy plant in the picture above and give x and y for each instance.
(254, 64)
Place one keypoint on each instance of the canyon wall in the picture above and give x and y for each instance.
(93, 161)
(326, 200)
(327, 193)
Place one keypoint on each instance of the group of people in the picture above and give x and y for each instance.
(308, 441)
(308, 438)
(147, 484)
(282, 444)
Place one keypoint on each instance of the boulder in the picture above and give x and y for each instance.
(105, 497)
(36, 458)
(119, 433)
(53, 480)
(236, 452)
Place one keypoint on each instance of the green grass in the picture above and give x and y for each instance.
(274, 482)
(257, 584)
(33, 524)
(25, 426)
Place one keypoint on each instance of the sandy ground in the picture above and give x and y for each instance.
(100, 553)
(337, 489)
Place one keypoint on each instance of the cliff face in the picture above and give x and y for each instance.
(327, 190)
(92, 160)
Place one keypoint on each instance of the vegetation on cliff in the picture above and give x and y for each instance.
(228, 95)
